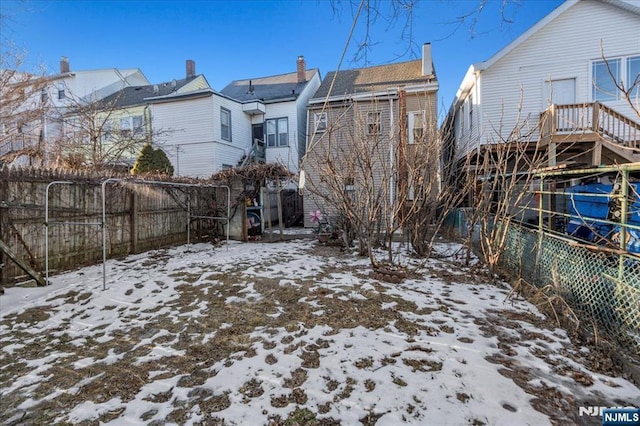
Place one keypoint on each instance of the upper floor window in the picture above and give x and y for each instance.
(225, 124)
(633, 77)
(373, 123)
(131, 126)
(605, 74)
(416, 124)
(320, 121)
(470, 112)
(277, 132)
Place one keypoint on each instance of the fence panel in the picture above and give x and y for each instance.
(138, 217)
(601, 286)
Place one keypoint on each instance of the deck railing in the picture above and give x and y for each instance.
(17, 143)
(590, 117)
(256, 155)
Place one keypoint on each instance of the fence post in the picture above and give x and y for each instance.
(133, 222)
(596, 117)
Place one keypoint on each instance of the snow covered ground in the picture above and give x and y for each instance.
(286, 333)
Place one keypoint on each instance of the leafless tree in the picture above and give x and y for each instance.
(98, 134)
(401, 16)
(23, 105)
(375, 181)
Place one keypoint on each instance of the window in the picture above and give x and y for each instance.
(225, 124)
(373, 123)
(604, 87)
(107, 130)
(61, 94)
(416, 125)
(470, 112)
(633, 77)
(277, 132)
(131, 126)
(320, 121)
(137, 124)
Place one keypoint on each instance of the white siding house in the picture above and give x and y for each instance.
(61, 92)
(201, 131)
(558, 61)
(282, 124)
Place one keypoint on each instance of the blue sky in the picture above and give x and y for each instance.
(232, 40)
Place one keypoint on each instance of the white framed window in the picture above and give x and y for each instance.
(470, 112)
(373, 122)
(633, 77)
(416, 123)
(604, 76)
(225, 124)
(107, 130)
(625, 70)
(320, 121)
(61, 93)
(131, 126)
(277, 132)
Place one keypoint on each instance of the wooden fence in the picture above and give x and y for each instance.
(138, 217)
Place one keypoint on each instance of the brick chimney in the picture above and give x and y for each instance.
(64, 65)
(302, 69)
(191, 68)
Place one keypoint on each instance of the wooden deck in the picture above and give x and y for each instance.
(590, 126)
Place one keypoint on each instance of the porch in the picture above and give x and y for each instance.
(598, 133)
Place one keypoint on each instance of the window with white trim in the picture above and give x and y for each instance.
(373, 122)
(225, 124)
(132, 126)
(416, 125)
(320, 121)
(624, 70)
(277, 132)
(470, 112)
(633, 77)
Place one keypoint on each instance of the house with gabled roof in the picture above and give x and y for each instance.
(201, 130)
(278, 108)
(381, 115)
(62, 92)
(553, 89)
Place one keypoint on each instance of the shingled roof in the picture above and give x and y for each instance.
(273, 88)
(372, 79)
(136, 95)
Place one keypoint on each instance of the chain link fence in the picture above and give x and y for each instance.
(599, 285)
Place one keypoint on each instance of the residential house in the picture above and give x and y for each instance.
(124, 118)
(278, 106)
(56, 100)
(553, 88)
(368, 116)
(200, 129)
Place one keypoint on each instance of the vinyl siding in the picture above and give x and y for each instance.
(288, 155)
(562, 49)
(511, 90)
(301, 110)
(190, 133)
(345, 124)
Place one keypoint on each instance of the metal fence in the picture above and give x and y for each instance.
(599, 286)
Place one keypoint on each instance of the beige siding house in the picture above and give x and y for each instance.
(359, 121)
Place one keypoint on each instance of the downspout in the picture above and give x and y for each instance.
(391, 161)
